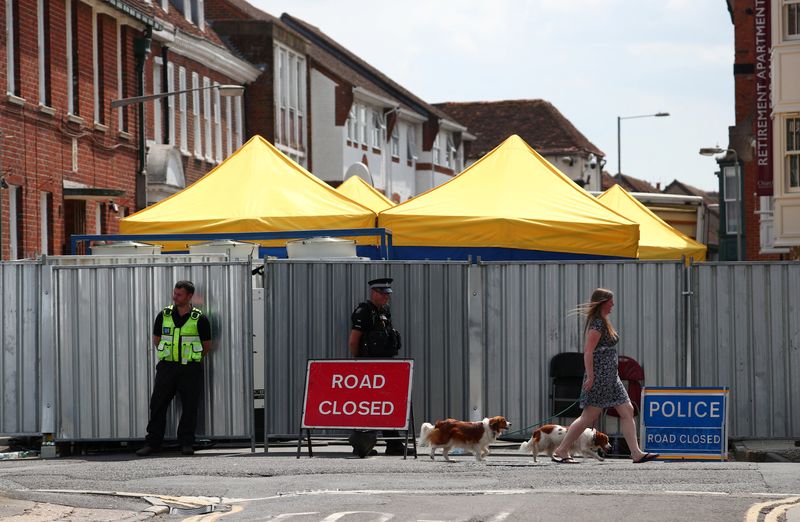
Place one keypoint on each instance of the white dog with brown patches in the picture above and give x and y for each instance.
(547, 438)
(471, 436)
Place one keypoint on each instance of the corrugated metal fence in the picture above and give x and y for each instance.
(78, 361)
(483, 335)
(20, 329)
(746, 335)
(308, 307)
(529, 318)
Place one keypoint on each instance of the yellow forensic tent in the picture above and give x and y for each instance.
(257, 189)
(362, 192)
(657, 239)
(511, 204)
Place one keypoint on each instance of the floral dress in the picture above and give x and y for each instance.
(608, 390)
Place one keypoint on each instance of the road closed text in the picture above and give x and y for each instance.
(684, 438)
(356, 408)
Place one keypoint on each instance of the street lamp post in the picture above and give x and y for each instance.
(141, 177)
(224, 90)
(710, 151)
(619, 133)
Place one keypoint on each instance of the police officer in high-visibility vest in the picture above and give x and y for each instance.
(182, 337)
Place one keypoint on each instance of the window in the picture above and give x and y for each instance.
(170, 103)
(122, 73)
(239, 126)
(363, 124)
(217, 124)
(73, 94)
(351, 124)
(450, 152)
(396, 140)
(793, 152)
(15, 221)
(791, 12)
(290, 102)
(731, 198)
(437, 150)
(377, 130)
(182, 109)
(192, 10)
(12, 47)
(411, 143)
(228, 127)
(198, 133)
(46, 222)
(98, 48)
(43, 19)
(207, 117)
(158, 135)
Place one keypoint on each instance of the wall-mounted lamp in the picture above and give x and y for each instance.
(569, 160)
(114, 207)
(3, 182)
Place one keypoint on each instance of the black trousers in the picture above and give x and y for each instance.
(187, 381)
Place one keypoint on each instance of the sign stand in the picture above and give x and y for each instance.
(408, 436)
(358, 394)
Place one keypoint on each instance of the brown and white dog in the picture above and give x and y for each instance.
(548, 437)
(471, 436)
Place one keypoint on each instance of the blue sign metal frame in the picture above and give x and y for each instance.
(685, 423)
(384, 234)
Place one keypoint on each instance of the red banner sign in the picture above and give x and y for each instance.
(358, 394)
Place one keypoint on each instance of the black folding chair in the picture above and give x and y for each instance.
(566, 376)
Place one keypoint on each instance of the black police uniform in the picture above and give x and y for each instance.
(378, 339)
(171, 377)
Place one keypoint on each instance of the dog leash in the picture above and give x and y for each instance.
(541, 422)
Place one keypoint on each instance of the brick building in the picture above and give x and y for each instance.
(68, 162)
(762, 164)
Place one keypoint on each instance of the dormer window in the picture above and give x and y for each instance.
(192, 10)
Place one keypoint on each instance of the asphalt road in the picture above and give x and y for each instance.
(233, 484)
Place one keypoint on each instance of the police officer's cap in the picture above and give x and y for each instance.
(383, 285)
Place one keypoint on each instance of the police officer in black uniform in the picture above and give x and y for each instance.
(372, 335)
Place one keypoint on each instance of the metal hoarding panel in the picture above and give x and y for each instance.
(746, 335)
(105, 361)
(529, 317)
(308, 307)
(20, 362)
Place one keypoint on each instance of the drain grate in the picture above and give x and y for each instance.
(202, 510)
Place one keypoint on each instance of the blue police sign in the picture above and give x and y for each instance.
(685, 423)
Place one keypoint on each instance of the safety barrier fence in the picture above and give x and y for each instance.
(482, 335)
(77, 360)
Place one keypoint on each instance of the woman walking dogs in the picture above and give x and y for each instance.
(602, 387)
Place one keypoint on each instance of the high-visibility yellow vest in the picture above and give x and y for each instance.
(180, 344)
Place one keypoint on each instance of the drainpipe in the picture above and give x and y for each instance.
(165, 88)
(141, 48)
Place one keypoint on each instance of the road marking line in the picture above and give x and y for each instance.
(384, 517)
(211, 517)
(755, 509)
(284, 516)
(776, 513)
(500, 516)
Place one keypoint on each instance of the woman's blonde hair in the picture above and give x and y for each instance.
(592, 310)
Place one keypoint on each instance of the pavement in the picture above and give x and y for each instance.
(27, 492)
(766, 450)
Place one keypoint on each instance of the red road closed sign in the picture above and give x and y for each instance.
(358, 394)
